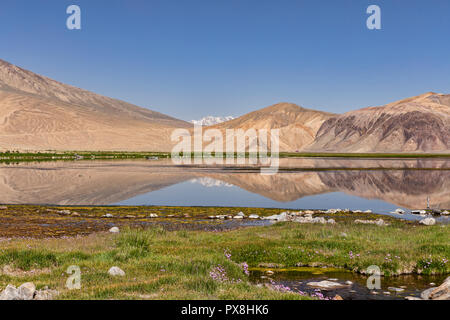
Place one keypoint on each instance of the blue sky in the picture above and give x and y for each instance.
(195, 58)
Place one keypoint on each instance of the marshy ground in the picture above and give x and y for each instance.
(182, 254)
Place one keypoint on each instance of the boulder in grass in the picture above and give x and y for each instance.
(26, 291)
(428, 221)
(116, 272)
(114, 230)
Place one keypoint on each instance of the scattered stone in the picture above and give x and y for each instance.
(344, 235)
(399, 211)
(425, 295)
(270, 272)
(394, 289)
(379, 222)
(387, 293)
(153, 215)
(442, 292)
(357, 211)
(241, 214)
(108, 215)
(212, 217)
(66, 212)
(130, 216)
(238, 217)
(116, 271)
(432, 284)
(114, 230)
(348, 283)
(253, 216)
(428, 221)
(26, 291)
(326, 285)
(45, 294)
(445, 213)
(421, 212)
(331, 221)
(412, 298)
(75, 214)
(368, 211)
(10, 293)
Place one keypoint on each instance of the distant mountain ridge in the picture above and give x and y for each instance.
(297, 126)
(38, 113)
(417, 124)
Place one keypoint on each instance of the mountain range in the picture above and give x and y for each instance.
(38, 113)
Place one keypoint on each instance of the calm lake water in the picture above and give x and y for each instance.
(375, 184)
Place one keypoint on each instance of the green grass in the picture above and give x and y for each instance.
(18, 156)
(176, 265)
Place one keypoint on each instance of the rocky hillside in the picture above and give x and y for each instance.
(417, 124)
(38, 113)
(298, 126)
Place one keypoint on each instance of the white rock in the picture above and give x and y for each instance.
(326, 285)
(114, 230)
(253, 216)
(396, 289)
(238, 217)
(241, 214)
(378, 222)
(442, 292)
(321, 220)
(412, 298)
(108, 215)
(331, 221)
(10, 293)
(153, 215)
(368, 211)
(428, 221)
(26, 291)
(116, 271)
(445, 213)
(46, 294)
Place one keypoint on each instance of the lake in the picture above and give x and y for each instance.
(381, 185)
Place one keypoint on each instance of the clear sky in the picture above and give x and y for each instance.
(192, 58)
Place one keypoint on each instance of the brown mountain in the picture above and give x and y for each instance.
(417, 124)
(298, 126)
(38, 113)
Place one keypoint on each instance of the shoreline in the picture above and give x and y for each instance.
(14, 156)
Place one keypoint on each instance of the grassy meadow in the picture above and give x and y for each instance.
(184, 264)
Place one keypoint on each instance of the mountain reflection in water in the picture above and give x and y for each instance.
(399, 182)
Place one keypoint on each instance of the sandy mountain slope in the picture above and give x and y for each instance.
(298, 126)
(417, 124)
(38, 113)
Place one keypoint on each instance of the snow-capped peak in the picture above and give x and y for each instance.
(210, 120)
